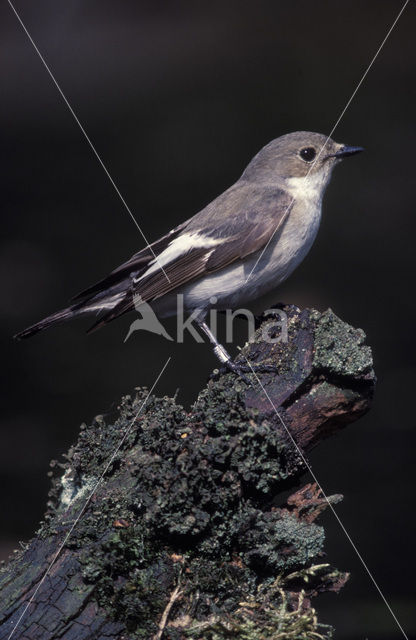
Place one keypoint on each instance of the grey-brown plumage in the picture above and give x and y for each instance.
(243, 244)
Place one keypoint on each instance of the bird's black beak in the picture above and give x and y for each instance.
(346, 151)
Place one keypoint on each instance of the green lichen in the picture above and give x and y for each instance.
(189, 500)
(196, 490)
(281, 542)
(339, 348)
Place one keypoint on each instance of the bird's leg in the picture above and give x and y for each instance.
(221, 353)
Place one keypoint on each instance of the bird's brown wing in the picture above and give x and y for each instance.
(241, 235)
(132, 267)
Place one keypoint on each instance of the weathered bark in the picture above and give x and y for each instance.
(185, 536)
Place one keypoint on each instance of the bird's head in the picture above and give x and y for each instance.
(298, 155)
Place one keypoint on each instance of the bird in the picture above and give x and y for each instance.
(238, 248)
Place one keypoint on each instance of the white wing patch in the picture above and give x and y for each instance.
(178, 247)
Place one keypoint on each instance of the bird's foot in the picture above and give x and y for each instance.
(241, 370)
(230, 366)
(257, 367)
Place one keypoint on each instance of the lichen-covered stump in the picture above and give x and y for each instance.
(185, 536)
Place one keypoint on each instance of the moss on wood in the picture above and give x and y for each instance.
(185, 535)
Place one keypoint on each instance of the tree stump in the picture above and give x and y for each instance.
(187, 535)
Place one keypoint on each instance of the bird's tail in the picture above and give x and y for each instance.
(55, 318)
(94, 305)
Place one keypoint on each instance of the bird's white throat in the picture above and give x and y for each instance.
(310, 187)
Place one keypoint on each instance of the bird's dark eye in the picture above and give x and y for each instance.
(307, 154)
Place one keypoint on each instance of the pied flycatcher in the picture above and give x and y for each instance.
(238, 248)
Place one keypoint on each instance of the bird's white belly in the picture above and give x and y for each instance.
(250, 279)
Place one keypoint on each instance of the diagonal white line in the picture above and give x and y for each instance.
(117, 190)
(333, 128)
(366, 71)
(307, 465)
(77, 519)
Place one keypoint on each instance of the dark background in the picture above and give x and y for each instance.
(177, 97)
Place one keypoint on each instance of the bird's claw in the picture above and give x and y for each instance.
(257, 368)
(233, 367)
(241, 369)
